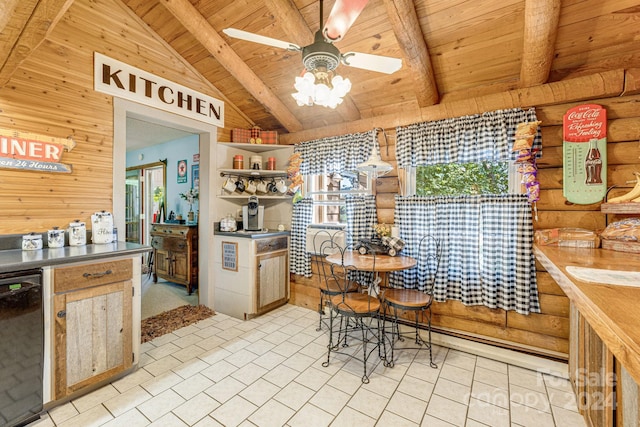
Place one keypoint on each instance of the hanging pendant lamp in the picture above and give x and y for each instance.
(374, 166)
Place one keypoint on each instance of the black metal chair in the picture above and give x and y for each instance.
(354, 316)
(418, 301)
(324, 244)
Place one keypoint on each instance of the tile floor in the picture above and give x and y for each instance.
(268, 372)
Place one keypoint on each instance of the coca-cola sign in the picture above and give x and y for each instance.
(585, 122)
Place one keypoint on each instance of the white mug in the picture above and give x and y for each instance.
(281, 186)
(251, 187)
(229, 185)
(262, 186)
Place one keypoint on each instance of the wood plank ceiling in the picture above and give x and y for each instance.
(451, 49)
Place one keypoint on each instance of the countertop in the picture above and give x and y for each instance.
(611, 310)
(252, 234)
(17, 259)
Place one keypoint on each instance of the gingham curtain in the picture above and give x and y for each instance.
(335, 153)
(486, 248)
(361, 216)
(299, 259)
(481, 137)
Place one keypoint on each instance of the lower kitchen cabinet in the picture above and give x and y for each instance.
(175, 254)
(92, 318)
(251, 274)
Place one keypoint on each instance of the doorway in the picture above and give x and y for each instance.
(145, 200)
(124, 109)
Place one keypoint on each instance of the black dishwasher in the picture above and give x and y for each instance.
(21, 347)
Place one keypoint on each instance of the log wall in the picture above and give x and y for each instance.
(51, 94)
(546, 333)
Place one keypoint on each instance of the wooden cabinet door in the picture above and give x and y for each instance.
(599, 380)
(93, 333)
(162, 262)
(180, 268)
(272, 287)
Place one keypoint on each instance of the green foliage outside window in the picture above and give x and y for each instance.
(456, 179)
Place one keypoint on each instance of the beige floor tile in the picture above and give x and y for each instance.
(346, 382)
(350, 417)
(128, 400)
(271, 414)
(287, 349)
(210, 343)
(456, 374)
(132, 418)
(164, 339)
(219, 370)
(461, 360)
(416, 387)
(492, 365)
(391, 419)
(530, 417)
(425, 372)
(168, 420)
(249, 373)
(299, 361)
(160, 405)
(63, 412)
(189, 353)
(259, 392)
(530, 398)
(269, 360)
(491, 415)
(303, 339)
(490, 394)
(190, 368)
(407, 407)
(313, 378)
(281, 375)
(311, 416)
(196, 408)
(163, 365)
(474, 423)
(294, 395)
(566, 418)
(330, 399)
(487, 376)
(447, 410)
(95, 416)
(368, 403)
(162, 382)
(453, 390)
(95, 398)
(526, 378)
(562, 399)
(241, 358)
(187, 340)
(191, 386)
(260, 347)
(233, 411)
(557, 383)
(136, 378)
(208, 422)
(225, 389)
(429, 421)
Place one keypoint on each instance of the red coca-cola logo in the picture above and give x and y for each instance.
(585, 122)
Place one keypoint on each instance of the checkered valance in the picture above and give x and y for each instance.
(334, 154)
(486, 241)
(481, 137)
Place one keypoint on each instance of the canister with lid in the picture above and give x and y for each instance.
(31, 242)
(238, 161)
(271, 164)
(55, 238)
(77, 233)
(102, 227)
(255, 162)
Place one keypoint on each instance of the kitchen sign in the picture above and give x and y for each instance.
(584, 149)
(124, 81)
(29, 151)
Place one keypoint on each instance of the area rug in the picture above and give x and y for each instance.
(169, 321)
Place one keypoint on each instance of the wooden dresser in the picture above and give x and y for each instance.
(175, 254)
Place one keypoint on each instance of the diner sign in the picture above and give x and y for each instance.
(125, 81)
(29, 151)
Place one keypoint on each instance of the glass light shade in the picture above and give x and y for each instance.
(374, 166)
(320, 87)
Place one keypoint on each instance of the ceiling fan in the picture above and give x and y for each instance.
(322, 54)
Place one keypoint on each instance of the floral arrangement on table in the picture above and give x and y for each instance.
(382, 230)
(190, 196)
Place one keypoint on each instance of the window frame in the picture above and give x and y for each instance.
(312, 188)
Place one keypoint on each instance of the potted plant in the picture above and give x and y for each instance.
(190, 196)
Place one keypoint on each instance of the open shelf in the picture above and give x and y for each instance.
(260, 197)
(256, 148)
(620, 208)
(255, 173)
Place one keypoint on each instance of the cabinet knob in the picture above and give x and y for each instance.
(61, 314)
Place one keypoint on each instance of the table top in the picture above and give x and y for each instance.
(383, 262)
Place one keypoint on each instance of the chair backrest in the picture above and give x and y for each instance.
(428, 262)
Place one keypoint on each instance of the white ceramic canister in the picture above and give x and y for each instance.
(31, 242)
(77, 233)
(55, 238)
(102, 227)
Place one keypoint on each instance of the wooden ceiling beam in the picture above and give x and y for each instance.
(200, 28)
(406, 26)
(16, 50)
(541, 19)
(298, 32)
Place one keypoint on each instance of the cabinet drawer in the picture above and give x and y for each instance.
(268, 245)
(84, 276)
(175, 244)
(170, 230)
(157, 242)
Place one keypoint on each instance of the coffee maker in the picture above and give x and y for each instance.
(253, 215)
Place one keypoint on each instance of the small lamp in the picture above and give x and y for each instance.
(374, 166)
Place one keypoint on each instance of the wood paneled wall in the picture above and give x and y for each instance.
(546, 333)
(52, 94)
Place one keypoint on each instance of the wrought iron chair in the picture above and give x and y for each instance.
(354, 316)
(418, 301)
(325, 243)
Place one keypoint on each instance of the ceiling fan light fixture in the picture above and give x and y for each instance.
(320, 87)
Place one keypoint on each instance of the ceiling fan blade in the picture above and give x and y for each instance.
(342, 16)
(381, 64)
(256, 38)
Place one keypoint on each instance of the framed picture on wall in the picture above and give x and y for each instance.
(182, 171)
(195, 177)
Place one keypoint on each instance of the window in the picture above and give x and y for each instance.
(455, 179)
(328, 193)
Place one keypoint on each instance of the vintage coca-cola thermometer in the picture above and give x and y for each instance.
(584, 149)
